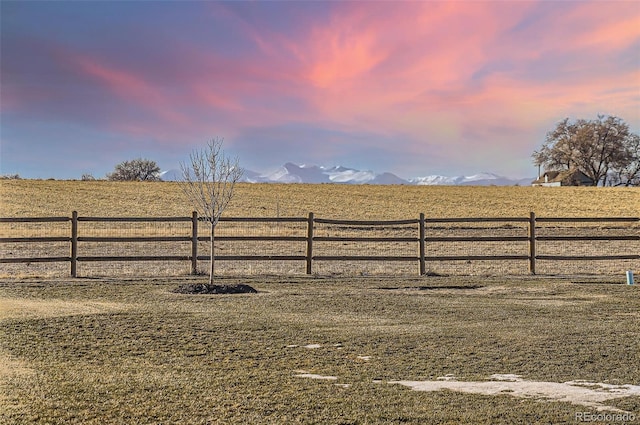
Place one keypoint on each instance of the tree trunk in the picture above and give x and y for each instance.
(212, 262)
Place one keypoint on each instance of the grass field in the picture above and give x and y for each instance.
(103, 198)
(35, 198)
(308, 350)
(339, 350)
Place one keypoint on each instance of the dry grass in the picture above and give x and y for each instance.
(120, 352)
(34, 198)
(102, 198)
(116, 351)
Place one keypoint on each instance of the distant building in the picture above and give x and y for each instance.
(572, 177)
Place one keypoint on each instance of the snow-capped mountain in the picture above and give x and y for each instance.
(171, 175)
(292, 173)
(482, 179)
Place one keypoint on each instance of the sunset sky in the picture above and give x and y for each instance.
(413, 88)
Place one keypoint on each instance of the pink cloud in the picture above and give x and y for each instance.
(132, 88)
(410, 69)
(410, 77)
(372, 61)
(598, 26)
(391, 66)
(345, 50)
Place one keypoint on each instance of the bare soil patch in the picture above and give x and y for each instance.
(205, 288)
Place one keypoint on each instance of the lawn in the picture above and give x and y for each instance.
(319, 350)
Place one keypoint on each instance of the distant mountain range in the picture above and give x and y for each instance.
(482, 179)
(292, 173)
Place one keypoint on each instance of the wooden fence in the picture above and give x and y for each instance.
(421, 238)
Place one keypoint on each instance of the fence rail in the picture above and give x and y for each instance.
(430, 242)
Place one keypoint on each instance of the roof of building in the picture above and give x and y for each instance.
(573, 177)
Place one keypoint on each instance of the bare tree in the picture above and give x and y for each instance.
(136, 170)
(629, 173)
(599, 148)
(559, 147)
(208, 181)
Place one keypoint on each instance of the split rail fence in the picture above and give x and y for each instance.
(428, 245)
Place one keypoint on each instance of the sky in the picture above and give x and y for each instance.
(415, 88)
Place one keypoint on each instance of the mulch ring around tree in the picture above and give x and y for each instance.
(205, 288)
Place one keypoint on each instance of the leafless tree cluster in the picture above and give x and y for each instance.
(208, 181)
(604, 149)
(10, 177)
(136, 170)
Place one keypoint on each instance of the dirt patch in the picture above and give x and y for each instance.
(589, 394)
(205, 288)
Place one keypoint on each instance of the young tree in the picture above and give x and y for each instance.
(208, 181)
(598, 148)
(136, 170)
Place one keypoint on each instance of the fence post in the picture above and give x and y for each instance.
(194, 243)
(532, 242)
(309, 242)
(74, 244)
(423, 270)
